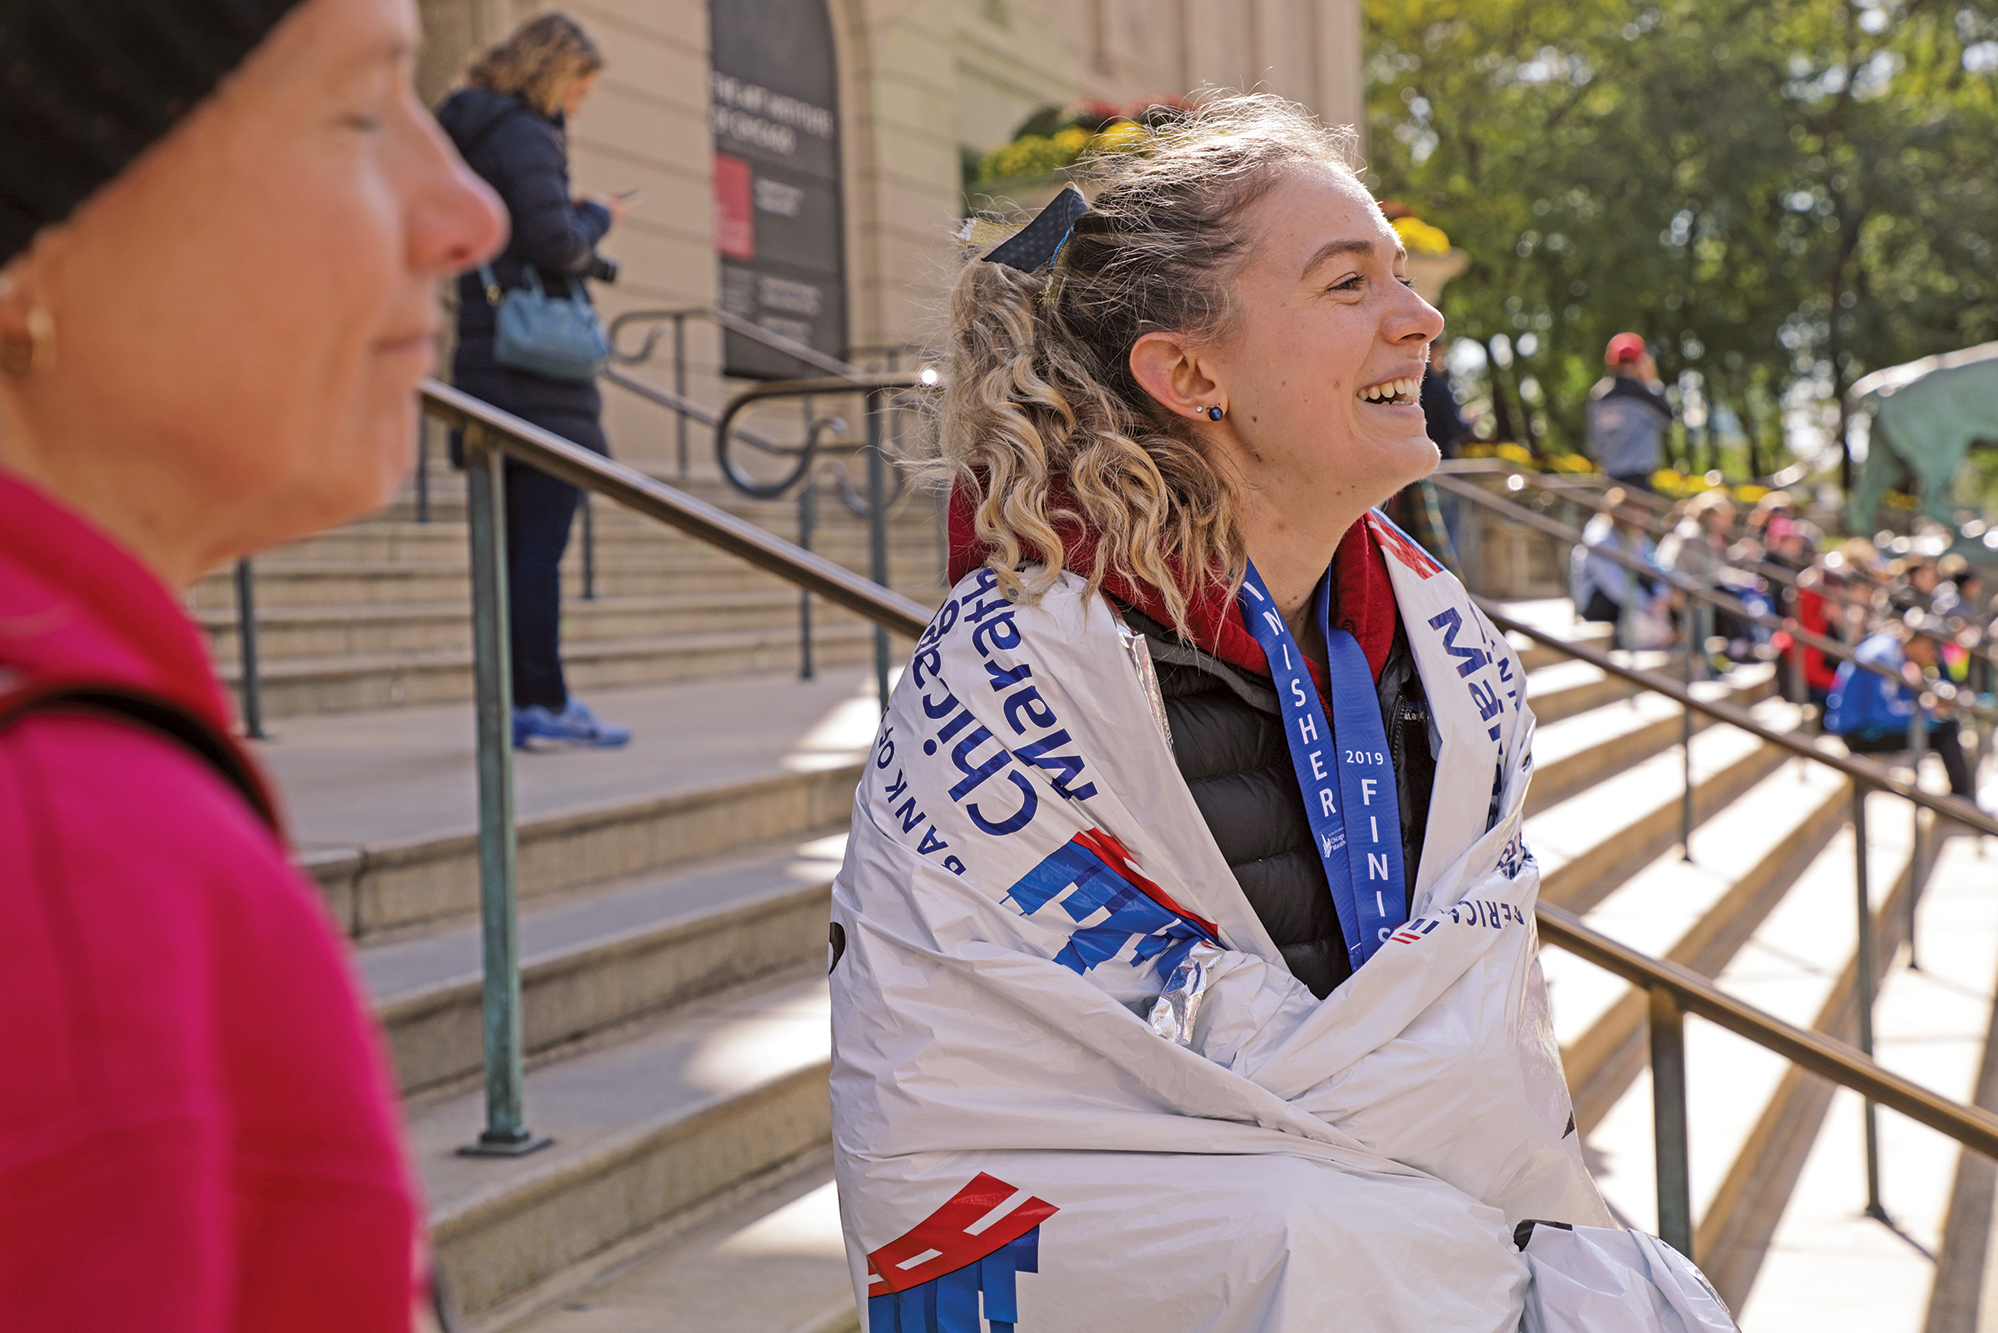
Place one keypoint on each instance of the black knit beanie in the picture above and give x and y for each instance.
(88, 85)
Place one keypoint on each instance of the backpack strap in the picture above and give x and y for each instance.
(149, 712)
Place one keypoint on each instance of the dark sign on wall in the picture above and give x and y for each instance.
(773, 93)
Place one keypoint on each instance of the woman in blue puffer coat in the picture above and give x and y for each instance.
(509, 124)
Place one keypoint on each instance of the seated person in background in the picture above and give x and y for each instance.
(1871, 714)
(1698, 548)
(1818, 603)
(1607, 592)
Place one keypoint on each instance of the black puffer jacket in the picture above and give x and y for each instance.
(524, 156)
(1227, 737)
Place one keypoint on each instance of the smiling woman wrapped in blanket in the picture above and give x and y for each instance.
(1184, 971)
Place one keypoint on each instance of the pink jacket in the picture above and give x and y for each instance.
(197, 1129)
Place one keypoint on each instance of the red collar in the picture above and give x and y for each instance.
(1362, 597)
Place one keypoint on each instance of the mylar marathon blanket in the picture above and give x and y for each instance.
(1030, 1135)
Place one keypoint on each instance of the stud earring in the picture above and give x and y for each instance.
(1214, 413)
(19, 355)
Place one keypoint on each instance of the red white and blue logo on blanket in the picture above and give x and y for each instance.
(935, 1277)
(1094, 880)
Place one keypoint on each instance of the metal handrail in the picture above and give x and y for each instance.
(1971, 1126)
(655, 499)
(1734, 605)
(1762, 569)
(876, 387)
(844, 378)
(867, 383)
(1860, 770)
(1669, 1002)
(491, 435)
(1656, 523)
(804, 353)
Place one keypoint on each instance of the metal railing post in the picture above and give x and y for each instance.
(877, 531)
(808, 517)
(680, 387)
(505, 1134)
(1668, 1110)
(423, 469)
(1918, 742)
(246, 651)
(1863, 961)
(1686, 744)
(589, 548)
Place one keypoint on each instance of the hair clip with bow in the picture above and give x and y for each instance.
(1038, 244)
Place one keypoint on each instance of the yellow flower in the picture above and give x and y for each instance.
(1119, 136)
(1420, 237)
(1514, 453)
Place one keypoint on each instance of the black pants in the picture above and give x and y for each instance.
(1601, 609)
(539, 513)
(1943, 740)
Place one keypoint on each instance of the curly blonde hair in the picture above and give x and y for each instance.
(1037, 365)
(537, 62)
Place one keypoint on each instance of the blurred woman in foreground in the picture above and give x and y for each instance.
(222, 223)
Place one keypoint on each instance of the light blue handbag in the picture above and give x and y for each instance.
(555, 338)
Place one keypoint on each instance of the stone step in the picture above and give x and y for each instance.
(1803, 1243)
(1593, 842)
(291, 632)
(382, 890)
(447, 495)
(721, 1094)
(775, 1261)
(1754, 1116)
(384, 805)
(1698, 913)
(618, 532)
(377, 582)
(1934, 1025)
(594, 959)
(1565, 688)
(323, 685)
(1575, 753)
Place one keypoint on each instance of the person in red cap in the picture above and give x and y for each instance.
(1628, 416)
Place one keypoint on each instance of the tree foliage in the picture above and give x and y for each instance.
(1780, 197)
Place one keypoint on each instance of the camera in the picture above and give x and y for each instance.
(601, 269)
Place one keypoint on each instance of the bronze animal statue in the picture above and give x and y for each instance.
(1926, 415)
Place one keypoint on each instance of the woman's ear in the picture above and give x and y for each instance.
(1166, 368)
(27, 330)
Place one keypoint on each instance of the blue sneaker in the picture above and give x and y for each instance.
(574, 725)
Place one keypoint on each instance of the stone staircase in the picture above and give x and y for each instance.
(378, 614)
(675, 894)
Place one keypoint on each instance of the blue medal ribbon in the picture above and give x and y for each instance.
(1343, 770)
